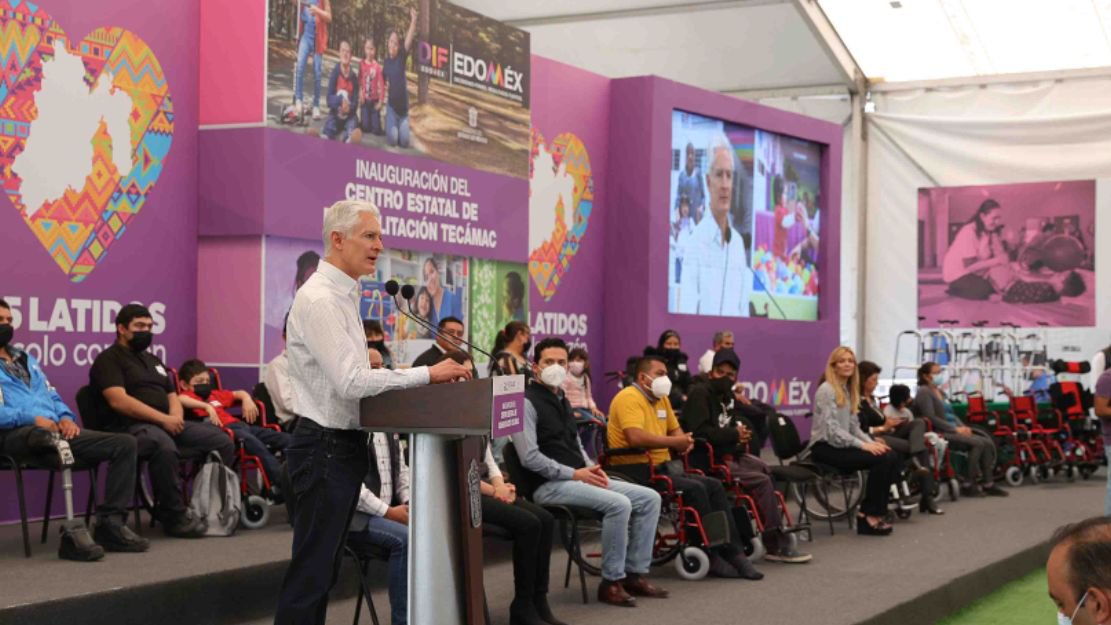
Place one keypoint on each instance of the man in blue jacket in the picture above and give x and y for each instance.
(31, 413)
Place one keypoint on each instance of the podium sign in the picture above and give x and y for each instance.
(508, 415)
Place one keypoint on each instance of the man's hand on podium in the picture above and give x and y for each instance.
(594, 476)
(448, 370)
(399, 514)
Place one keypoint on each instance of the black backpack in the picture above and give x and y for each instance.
(785, 437)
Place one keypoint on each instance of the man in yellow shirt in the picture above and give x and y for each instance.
(641, 416)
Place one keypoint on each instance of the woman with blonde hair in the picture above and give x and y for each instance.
(836, 440)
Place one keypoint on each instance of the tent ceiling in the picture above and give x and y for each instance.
(730, 46)
(904, 40)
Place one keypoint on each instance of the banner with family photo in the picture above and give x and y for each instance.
(409, 76)
(1014, 254)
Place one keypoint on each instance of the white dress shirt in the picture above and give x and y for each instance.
(378, 504)
(280, 388)
(328, 362)
(716, 278)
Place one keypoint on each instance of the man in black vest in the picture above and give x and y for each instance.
(382, 515)
(708, 415)
(450, 340)
(562, 473)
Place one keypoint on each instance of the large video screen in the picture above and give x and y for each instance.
(744, 209)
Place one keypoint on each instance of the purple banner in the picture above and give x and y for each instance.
(567, 205)
(103, 221)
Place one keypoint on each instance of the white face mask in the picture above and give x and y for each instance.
(661, 387)
(553, 375)
(1067, 620)
(577, 367)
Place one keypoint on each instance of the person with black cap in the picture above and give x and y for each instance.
(709, 415)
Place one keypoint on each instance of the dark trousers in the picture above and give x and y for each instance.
(909, 441)
(981, 454)
(370, 120)
(89, 448)
(163, 454)
(326, 468)
(704, 494)
(531, 527)
(259, 441)
(883, 471)
(756, 480)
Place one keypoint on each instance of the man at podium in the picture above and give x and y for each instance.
(330, 374)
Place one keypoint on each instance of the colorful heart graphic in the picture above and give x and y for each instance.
(560, 188)
(64, 109)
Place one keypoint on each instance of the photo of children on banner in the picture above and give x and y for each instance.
(407, 76)
(1013, 253)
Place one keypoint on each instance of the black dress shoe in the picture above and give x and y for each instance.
(929, 506)
(864, 528)
(995, 491)
(545, 611)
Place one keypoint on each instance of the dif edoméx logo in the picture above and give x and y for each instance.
(469, 68)
(87, 128)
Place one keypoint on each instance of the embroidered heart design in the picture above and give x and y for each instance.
(561, 196)
(84, 131)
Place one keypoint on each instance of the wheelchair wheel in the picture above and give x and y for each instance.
(1014, 476)
(692, 564)
(669, 536)
(255, 512)
(829, 498)
(755, 549)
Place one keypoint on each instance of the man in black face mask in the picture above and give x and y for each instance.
(32, 415)
(136, 388)
(708, 416)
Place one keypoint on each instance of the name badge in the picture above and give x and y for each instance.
(160, 370)
(661, 414)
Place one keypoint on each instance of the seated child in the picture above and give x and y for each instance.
(343, 99)
(898, 400)
(201, 401)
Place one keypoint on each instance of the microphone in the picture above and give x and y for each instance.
(769, 294)
(407, 291)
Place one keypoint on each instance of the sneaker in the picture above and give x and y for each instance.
(720, 568)
(184, 525)
(789, 555)
(115, 536)
(316, 113)
(77, 544)
(994, 491)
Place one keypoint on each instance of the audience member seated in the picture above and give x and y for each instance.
(578, 387)
(930, 403)
(669, 348)
(137, 389)
(531, 527)
(898, 428)
(1078, 575)
(707, 417)
(837, 440)
(641, 416)
(449, 342)
(32, 414)
(382, 512)
(279, 386)
(560, 473)
(722, 338)
(511, 351)
(205, 402)
(376, 339)
(343, 99)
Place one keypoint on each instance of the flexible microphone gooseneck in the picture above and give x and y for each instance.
(407, 292)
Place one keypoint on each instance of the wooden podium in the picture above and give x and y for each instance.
(447, 424)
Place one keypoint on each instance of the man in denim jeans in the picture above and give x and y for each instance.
(330, 372)
(549, 447)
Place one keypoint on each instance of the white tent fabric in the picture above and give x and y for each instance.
(967, 136)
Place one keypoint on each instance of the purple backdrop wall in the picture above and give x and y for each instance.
(154, 262)
(780, 359)
(570, 108)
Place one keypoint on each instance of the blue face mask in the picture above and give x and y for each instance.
(1067, 620)
(939, 379)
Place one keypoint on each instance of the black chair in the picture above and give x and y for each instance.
(569, 517)
(359, 548)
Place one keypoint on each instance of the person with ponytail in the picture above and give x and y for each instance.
(511, 351)
(578, 386)
(837, 440)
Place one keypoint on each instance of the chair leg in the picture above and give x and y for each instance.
(49, 501)
(94, 473)
(22, 511)
(364, 590)
(578, 552)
